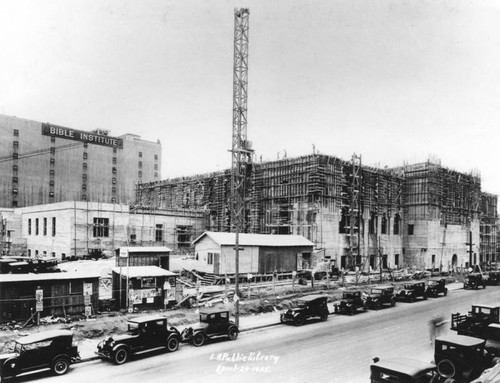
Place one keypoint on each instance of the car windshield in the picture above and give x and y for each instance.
(433, 283)
(376, 291)
(133, 327)
(203, 318)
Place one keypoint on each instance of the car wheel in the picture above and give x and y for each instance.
(299, 320)
(324, 316)
(351, 310)
(120, 356)
(445, 292)
(447, 368)
(173, 343)
(233, 333)
(378, 305)
(425, 297)
(60, 366)
(198, 339)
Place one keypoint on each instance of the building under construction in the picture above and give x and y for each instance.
(421, 215)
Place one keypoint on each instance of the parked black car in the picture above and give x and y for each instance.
(475, 323)
(145, 333)
(379, 296)
(474, 281)
(461, 357)
(49, 349)
(436, 286)
(351, 302)
(214, 323)
(308, 307)
(493, 278)
(411, 291)
(402, 370)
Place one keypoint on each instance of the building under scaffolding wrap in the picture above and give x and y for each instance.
(418, 215)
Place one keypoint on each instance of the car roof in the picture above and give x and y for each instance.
(44, 335)
(213, 310)
(407, 366)
(383, 287)
(461, 340)
(146, 318)
(436, 279)
(486, 306)
(413, 283)
(309, 298)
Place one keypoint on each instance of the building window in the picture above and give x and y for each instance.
(14, 191)
(84, 186)
(15, 156)
(210, 258)
(16, 144)
(51, 183)
(159, 233)
(52, 150)
(29, 226)
(14, 180)
(51, 194)
(156, 157)
(114, 150)
(383, 225)
(411, 229)
(16, 132)
(396, 260)
(85, 166)
(139, 174)
(84, 177)
(14, 203)
(114, 170)
(113, 190)
(113, 181)
(53, 226)
(52, 161)
(433, 260)
(53, 254)
(140, 164)
(397, 220)
(15, 168)
(85, 145)
(140, 154)
(29, 252)
(156, 174)
(45, 226)
(52, 139)
(148, 282)
(372, 223)
(113, 200)
(156, 166)
(101, 227)
(52, 172)
(76, 287)
(85, 155)
(114, 160)
(36, 226)
(84, 197)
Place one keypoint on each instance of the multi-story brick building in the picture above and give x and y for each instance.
(44, 163)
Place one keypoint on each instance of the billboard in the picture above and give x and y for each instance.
(82, 136)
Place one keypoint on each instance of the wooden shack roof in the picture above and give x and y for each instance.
(143, 271)
(46, 276)
(245, 239)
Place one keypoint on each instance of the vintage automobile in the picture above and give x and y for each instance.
(214, 323)
(493, 339)
(379, 296)
(493, 278)
(49, 349)
(402, 370)
(350, 303)
(460, 357)
(436, 286)
(474, 281)
(411, 291)
(490, 375)
(475, 323)
(145, 333)
(307, 307)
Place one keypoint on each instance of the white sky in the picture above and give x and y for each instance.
(391, 80)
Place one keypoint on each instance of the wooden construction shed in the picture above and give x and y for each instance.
(259, 253)
(144, 256)
(61, 294)
(149, 287)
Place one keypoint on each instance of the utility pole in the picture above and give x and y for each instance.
(241, 149)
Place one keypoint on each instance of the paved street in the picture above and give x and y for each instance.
(339, 350)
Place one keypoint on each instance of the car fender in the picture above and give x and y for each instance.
(233, 326)
(61, 356)
(118, 345)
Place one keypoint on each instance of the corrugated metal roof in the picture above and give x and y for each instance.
(229, 239)
(46, 276)
(147, 249)
(143, 271)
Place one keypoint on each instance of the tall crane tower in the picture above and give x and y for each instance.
(241, 149)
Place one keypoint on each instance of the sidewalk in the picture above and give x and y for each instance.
(88, 347)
